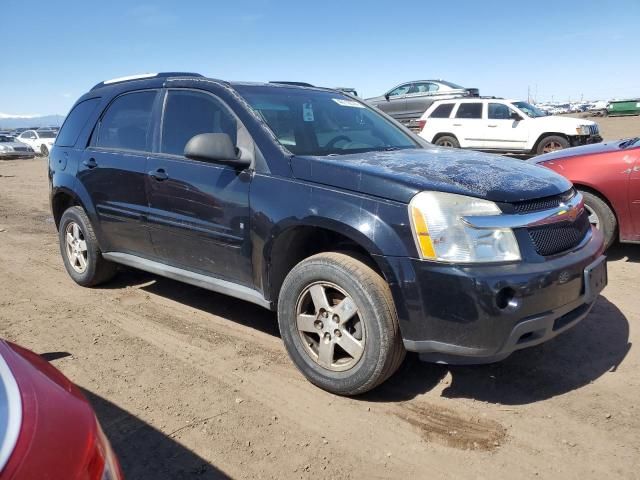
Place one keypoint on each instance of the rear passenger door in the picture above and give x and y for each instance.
(199, 211)
(467, 124)
(113, 169)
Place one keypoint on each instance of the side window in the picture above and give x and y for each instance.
(423, 87)
(442, 111)
(498, 111)
(188, 113)
(126, 123)
(401, 90)
(469, 110)
(75, 122)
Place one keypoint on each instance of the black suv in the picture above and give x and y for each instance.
(366, 240)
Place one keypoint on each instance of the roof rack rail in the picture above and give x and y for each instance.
(142, 76)
(287, 82)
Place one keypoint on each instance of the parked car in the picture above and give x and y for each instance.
(47, 427)
(40, 141)
(10, 148)
(408, 101)
(365, 239)
(505, 126)
(608, 177)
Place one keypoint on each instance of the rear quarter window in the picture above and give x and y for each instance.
(75, 122)
(442, 111)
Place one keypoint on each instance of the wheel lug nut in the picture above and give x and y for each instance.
(318, 324)
(337, 333)
(327, 337)
(325, 315)
(336, 318)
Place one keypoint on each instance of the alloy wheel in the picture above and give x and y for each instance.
(551, 147)
(76, 247)
(330, 327)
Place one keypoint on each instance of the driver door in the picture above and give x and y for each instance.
(501, 131)
(199, 211)
(396, 104)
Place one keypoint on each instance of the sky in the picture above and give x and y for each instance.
(54, 51)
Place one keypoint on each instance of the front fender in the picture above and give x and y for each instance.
(380, 227)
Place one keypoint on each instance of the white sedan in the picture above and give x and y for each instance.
(40, 140)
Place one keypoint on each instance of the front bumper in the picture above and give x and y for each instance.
(585, 140)
(457, 314)
(13, 154)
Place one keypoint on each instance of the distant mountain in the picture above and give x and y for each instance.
(17, 121)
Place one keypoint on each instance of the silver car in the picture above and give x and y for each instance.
(10, 148)
(408, 101)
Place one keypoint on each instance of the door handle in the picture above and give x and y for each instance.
(159, 174)
(457, 124)
(91, 163)
(493, 126)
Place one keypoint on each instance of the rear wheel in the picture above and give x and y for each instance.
(44, 150)
(79, 248)
(552, 143)
(339, 325)
(447, 141)
(601, 216)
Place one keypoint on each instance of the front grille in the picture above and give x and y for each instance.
(20, 149)
(593, 129)
(539, 204)
(558, 237)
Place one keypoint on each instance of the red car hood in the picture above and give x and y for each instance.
(49, 426)
(592, 149)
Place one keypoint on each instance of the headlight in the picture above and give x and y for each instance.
(583, 130)
(441, 234)
(3, 148)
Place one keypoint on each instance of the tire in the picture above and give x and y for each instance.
(44, 150)
(447, 141)
(371, 336)
(601, 216)
(551, 143)
(82, 259)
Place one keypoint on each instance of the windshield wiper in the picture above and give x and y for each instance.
(628, 142)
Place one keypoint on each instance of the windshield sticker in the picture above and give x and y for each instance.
(307, 112)
(347, 103)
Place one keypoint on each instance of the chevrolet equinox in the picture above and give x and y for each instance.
(366, 240)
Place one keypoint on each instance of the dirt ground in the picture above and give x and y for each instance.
(191, 384)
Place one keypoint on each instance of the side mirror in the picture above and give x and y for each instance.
(516, 117)
(216, 148)
(386, 95)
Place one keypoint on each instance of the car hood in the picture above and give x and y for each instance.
(566, 122)
(400, 174)
(591, 149)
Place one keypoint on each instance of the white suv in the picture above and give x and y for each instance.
(499, 125)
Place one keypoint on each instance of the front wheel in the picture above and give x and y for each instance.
(601, 216)
(447, 141)
(339, 324)
(552, 143)
(44, 150)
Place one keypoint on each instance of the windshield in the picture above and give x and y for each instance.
(313, 122)
(529, 109)
(47, 134)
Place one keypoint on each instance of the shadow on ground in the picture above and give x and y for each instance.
(575, 358)
(627, 252)
(144, 452)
